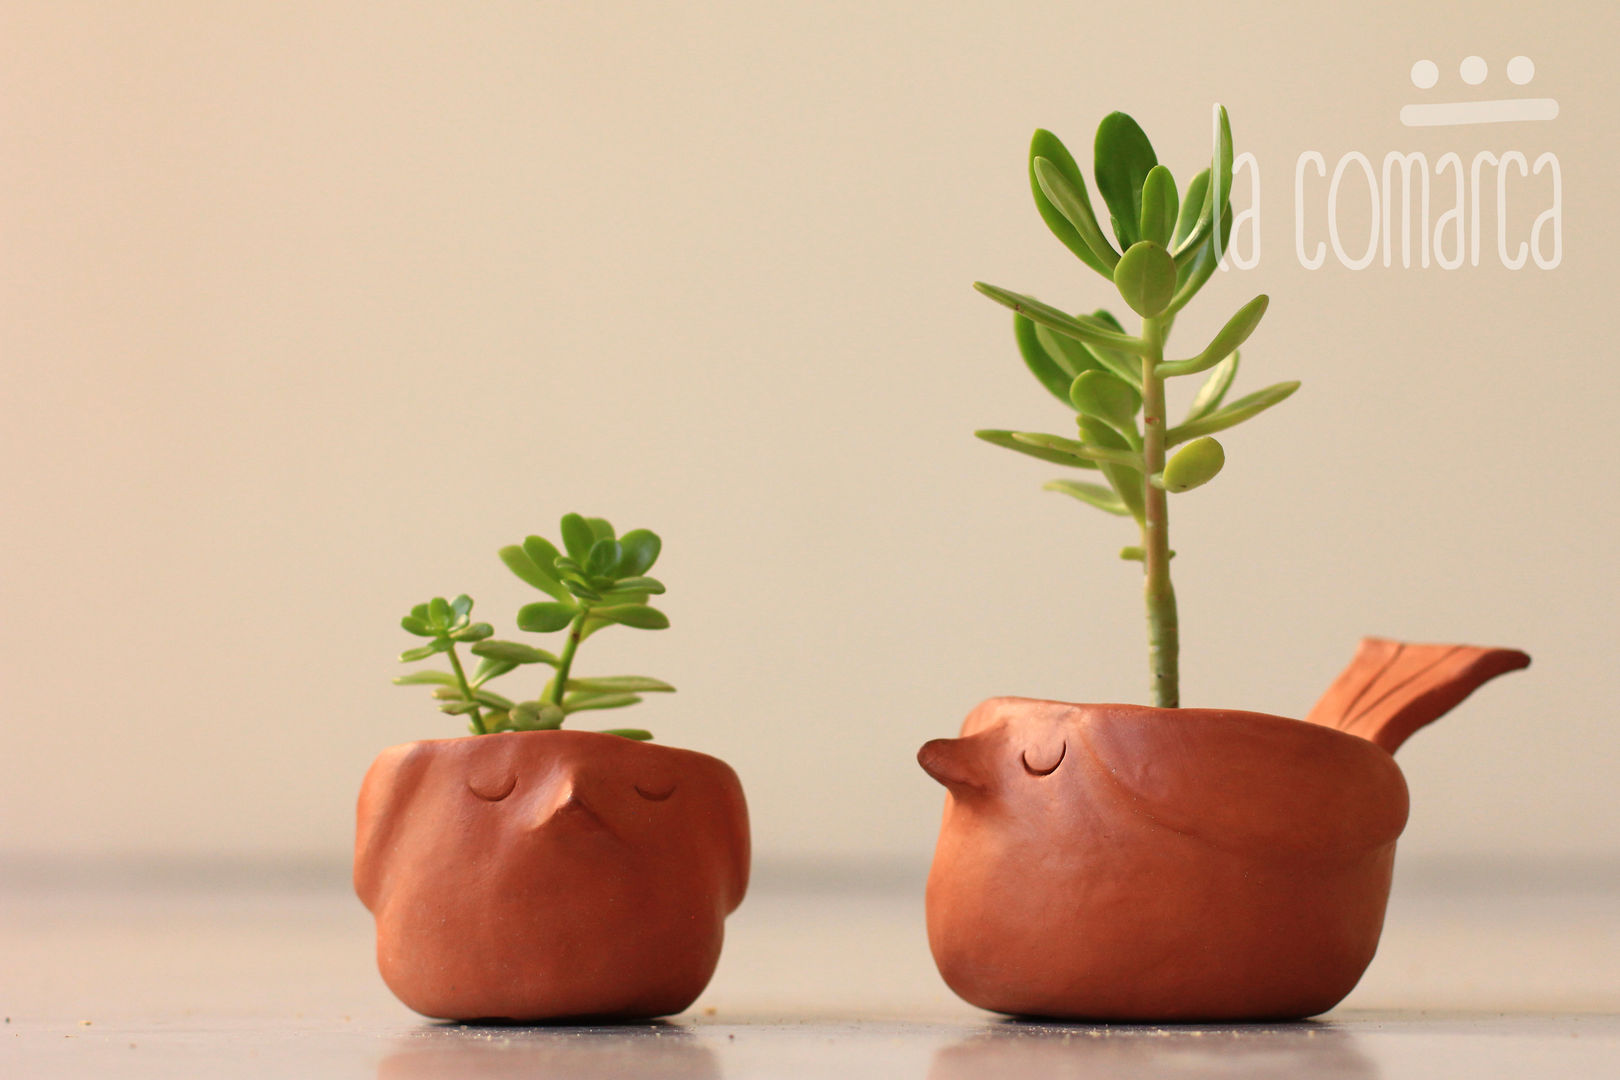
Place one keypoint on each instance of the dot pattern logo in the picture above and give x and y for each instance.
(1474, 71)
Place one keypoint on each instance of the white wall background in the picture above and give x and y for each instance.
(308, 308)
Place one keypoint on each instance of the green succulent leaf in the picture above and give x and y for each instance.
(997, 437)
(1191, 207)
(424, 651)
(1125, 480)
(612, 684)
(492, 699)
(1080, 327)
(639, 734)
(417, 626)
(1046, 145)
(545, 617)
(439, 613)
(1078, 449)
(495, 720)
(1126, 365)
(638, 616)
(1159, 205)
(481, 697)
(1222, 165)
(458, 708)
(514, 652)
(426, 678)
(475, 632)
(542, 552)
(1213, 392)
(582, 591)
(641, 548)
(1234, 333)
(536, 716)
(1146, 278)
(578, 536)
(1102, 498)
(420, 611)
(1041, 364)
(1070, 355)
(1068, 194)
(1123, 158)
(1194, 465)
(1109, 398)
(538, 572)
(491, 669)
(1238, 411)
(1108, 319)
(603, 558)
(574, 703)
(1221, 177)
(1116, 363)
(645, 586)
(600, 528)
(1194, 272)
(592, 624)
(462, 606)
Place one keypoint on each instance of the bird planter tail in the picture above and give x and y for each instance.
(1391, 688)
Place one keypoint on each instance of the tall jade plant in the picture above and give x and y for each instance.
(1114, 380)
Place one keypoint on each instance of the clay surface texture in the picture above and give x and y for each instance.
(1119, 862)
(544, 875)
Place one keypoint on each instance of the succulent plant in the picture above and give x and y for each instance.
(597, 580)
(1113, 380)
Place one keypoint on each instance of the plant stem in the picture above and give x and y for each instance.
(466, 691)
(575, 629)
(1163, 636)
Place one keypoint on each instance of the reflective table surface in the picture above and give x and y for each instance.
(248, 971)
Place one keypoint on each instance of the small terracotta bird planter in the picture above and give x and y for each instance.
(1119, 862)
(543, 875)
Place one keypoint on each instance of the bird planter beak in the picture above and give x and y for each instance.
(959, 764)
(567, 804)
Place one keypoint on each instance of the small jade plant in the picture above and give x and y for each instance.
(598, 580)
(1114, 380)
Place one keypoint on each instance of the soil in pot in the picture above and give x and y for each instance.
(543, 875)
(1118, 862)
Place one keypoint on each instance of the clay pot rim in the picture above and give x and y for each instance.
(591, 736)
(1249, 716)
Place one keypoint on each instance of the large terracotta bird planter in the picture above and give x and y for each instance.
(1117, 862)
(543, 875)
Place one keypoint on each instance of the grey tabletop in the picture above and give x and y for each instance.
(180, 970)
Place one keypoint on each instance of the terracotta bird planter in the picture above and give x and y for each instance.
(1117, 862)
(541, 875)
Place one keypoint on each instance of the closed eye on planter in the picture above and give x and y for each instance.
(655, 792)
(492, 789)
(1041, 761)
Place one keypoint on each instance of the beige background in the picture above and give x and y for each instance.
(306, 309)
